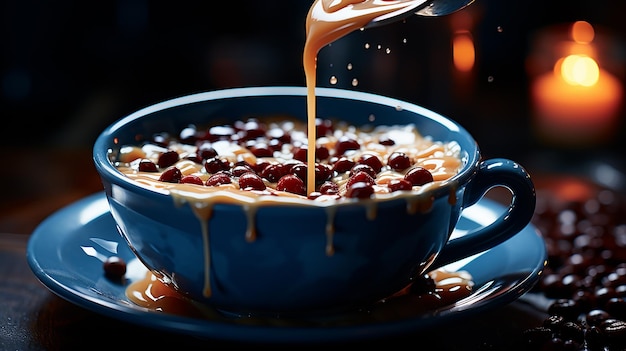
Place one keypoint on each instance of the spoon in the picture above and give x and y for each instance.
(433, 8)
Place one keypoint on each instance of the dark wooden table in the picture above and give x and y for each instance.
(34, 318)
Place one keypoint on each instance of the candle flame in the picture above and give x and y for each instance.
(578, 70)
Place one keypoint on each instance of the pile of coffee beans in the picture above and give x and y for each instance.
(584, 227)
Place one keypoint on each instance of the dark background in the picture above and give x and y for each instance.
(69, 69)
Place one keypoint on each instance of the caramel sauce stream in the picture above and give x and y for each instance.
(327, 21)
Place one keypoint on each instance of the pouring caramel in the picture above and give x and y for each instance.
(327, 21)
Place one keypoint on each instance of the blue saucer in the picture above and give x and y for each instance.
(67, 249)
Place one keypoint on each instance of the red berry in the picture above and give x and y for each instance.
(171, 175)
(275, 171)
(241, 169)
(361, 167)
(399, 161)
(215, 164)
(323, 127)
(360, 177)
(299, 169)
(322, 173)
(300, 153)
(192, 179)
(168, 158)
(206, 151)
(399, 184)
(343, 164)
(260, 166)
(344, 144)
(218, 178)
(329, 188)
(360, 190)
(147, 166)
(291, 183)
(251, 181)
(385, 140)
(261, 150)
(372, 161)
(418, 176)
(321, 152)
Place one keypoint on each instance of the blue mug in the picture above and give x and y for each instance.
(286, 269)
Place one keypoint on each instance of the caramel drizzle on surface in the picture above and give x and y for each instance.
(450, 287)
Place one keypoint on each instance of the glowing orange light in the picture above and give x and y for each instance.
(578, 70)
(582, 32)
(578, 101)
(463, 51)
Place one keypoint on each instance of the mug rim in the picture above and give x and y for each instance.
(107, 170)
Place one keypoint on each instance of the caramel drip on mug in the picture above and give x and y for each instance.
(206, 291)
(452, 195)
(420, 204)
(330, 230)
(371, 211)
(251, 228)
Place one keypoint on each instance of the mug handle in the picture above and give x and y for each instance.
(493, 173)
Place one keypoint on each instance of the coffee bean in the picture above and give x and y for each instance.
(114, 267)
(585, 275)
